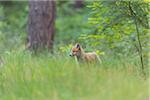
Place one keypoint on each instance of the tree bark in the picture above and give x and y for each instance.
(79, 4)
(41, 24)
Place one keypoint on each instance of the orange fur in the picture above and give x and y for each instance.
(78, 51)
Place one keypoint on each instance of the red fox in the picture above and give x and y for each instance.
(79, 53)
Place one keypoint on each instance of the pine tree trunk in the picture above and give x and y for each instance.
(41, 24)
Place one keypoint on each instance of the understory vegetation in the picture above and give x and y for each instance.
(59, 78)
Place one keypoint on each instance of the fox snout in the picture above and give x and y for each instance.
(72, 54)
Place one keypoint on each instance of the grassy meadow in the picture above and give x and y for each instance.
(27, 77)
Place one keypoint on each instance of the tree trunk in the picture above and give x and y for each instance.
(79, 4)
(41, 24)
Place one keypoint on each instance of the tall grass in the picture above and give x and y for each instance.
(24, 76)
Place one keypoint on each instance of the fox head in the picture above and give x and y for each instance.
(76, 50)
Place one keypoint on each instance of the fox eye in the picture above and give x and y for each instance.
(74, 51)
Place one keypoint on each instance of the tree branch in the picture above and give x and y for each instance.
(138, 37)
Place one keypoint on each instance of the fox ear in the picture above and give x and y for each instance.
(77, 45)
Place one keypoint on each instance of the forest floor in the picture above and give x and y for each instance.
(23, 76)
